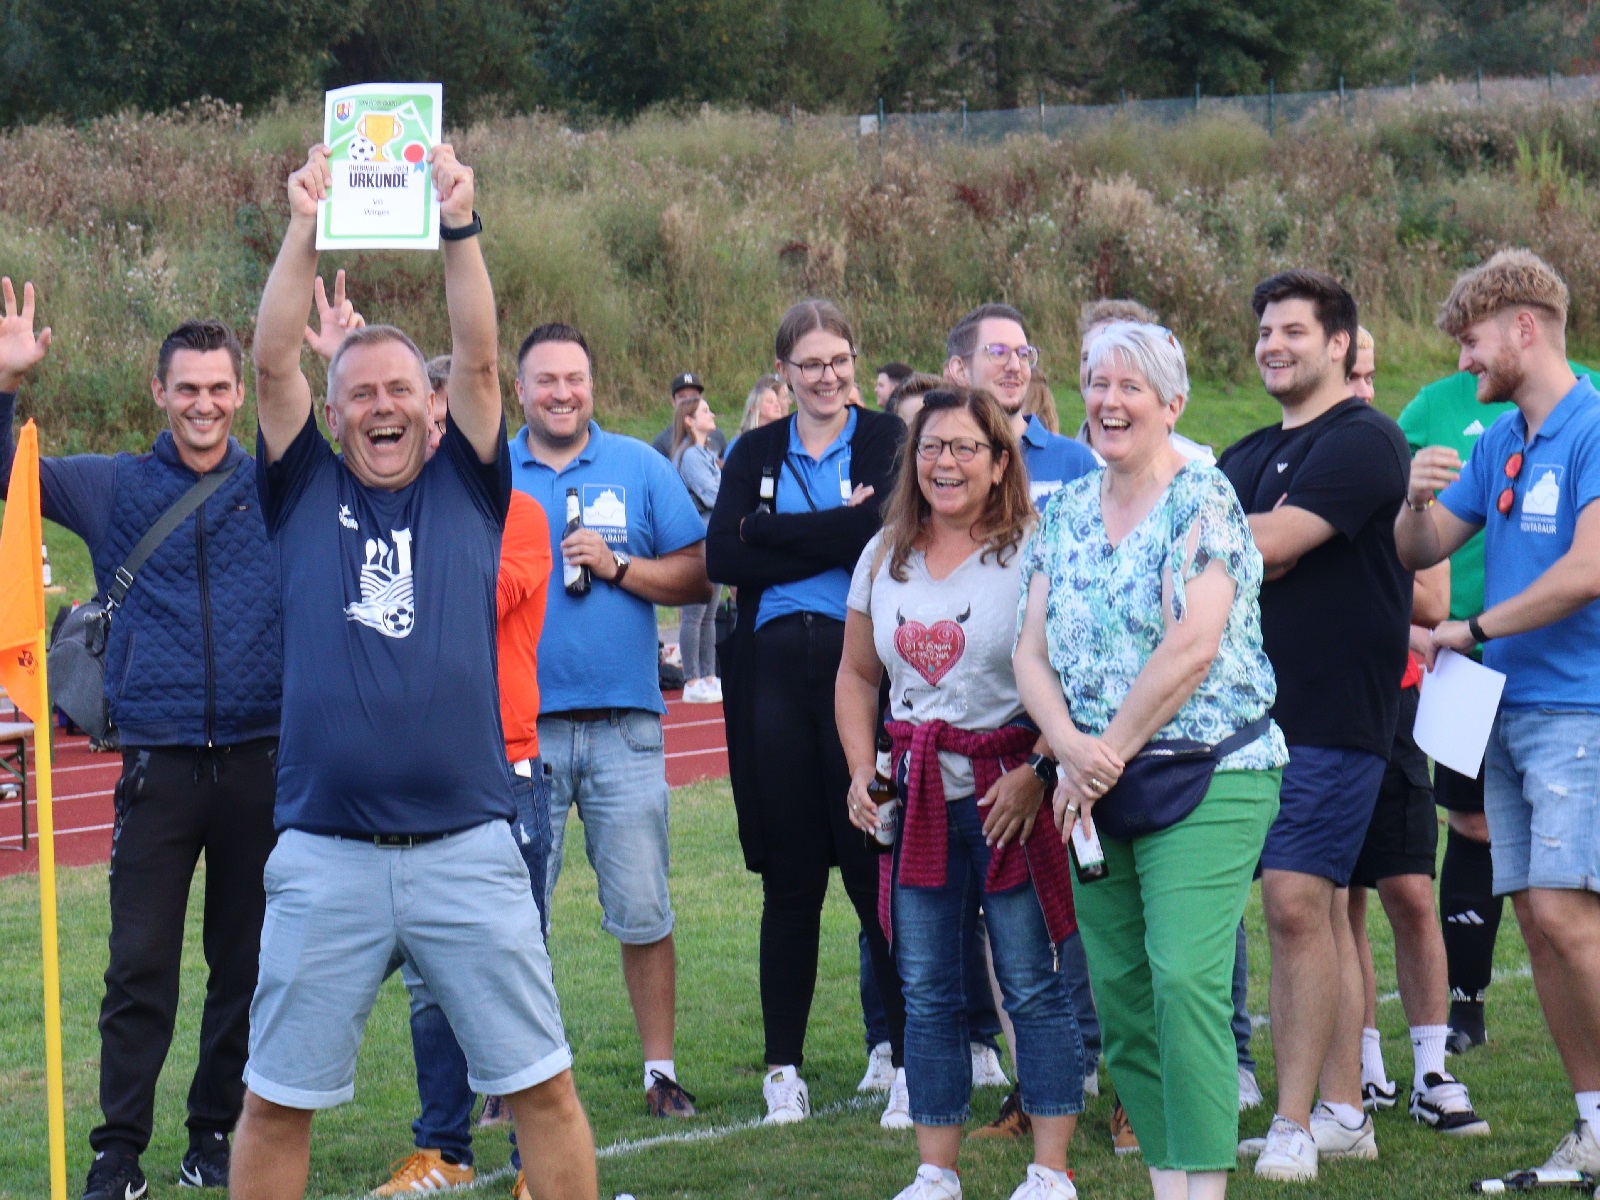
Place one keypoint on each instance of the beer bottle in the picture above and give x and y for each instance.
(1088, 857)
(883, 792)
(574, 578)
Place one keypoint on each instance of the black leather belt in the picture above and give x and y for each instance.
(402, 841)
(584, 714)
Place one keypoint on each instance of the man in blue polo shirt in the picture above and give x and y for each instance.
(1530, 486)
(643, 544)
(394, 796)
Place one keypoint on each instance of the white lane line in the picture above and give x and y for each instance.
(693, 753)
(33, 834)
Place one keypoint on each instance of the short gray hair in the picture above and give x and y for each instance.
(372, 335)
(1149, 349)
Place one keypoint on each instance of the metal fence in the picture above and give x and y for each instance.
(1270, 110)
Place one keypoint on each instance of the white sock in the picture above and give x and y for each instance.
(1372, 1058)
(1349, 1115)
(1427, 1052)
(664, 1065)
(1589, 1109)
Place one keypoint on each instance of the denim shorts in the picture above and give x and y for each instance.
(459, 908)
(1541, 795)
(1324, 808)
(614, 771)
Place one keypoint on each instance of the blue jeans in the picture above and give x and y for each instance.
(1541, 796)
(934, 930)
(1242, 1029)
(982, 1021)
(445, 1123)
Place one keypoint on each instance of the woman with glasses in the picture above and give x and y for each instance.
(934, 602)
(1142, 624)
(799, 500)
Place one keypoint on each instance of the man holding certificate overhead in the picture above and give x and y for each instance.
(394, 795)
(1531, 486)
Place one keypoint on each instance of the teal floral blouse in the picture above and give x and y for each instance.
(1104, 619)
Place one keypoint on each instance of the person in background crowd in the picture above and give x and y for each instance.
(890, 376)
(693, 423)
(1448, 413)
(767, 402)
(907, 396)
(600, 723)
(950, 553)
(799, 501)
(1092, 318)
(1397, 859)
(197, 713)
(1141, 624)
(1531, 486)
(683, 386)
(1040, 402)
(1321, 489)
(386, 846)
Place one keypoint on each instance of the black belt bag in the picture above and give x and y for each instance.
(1164, 783)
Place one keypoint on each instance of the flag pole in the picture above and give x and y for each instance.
(54, 1096)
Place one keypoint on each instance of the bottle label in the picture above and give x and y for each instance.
(886, 763)
(888, 822)
(571, 573)
(1087, 843)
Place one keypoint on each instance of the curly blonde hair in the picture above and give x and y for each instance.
(1511, 279)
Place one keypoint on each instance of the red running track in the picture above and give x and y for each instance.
(695, 743)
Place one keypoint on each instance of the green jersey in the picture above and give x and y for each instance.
(1447, 413)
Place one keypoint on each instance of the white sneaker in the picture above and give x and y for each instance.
(788, 1099)
(713, 690)
(694, 692)
(1577, 1151)
(897, 1114)
(1443, 1103)
(1288, 1153)
(986, 1068)
(1335, 1139)
(1091, 1083)
(880, 1070)
(1040, 1184)
(930, 1184)
(1249, 1089)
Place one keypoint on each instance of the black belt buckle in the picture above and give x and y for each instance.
(403, 841)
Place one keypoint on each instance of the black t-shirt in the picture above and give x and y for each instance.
(1336, 626)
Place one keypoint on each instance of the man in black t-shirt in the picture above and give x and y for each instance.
(1322, 490)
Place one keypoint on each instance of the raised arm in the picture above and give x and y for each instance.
(283, 395)
(1426, 533)
(474, 349)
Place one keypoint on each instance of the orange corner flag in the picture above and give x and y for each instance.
(22, 593)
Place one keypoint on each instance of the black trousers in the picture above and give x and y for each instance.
(172, 803)
(806, 830)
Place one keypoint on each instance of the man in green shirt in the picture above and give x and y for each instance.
(1447, 413)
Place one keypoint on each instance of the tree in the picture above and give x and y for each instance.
(832, 53)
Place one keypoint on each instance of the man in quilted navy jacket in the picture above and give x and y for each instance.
(193, 678)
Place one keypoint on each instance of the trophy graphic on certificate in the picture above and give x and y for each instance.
(379, 129)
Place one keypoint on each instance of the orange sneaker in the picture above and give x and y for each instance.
(1122, 1139)
(1011, 1123)
(424, 1171)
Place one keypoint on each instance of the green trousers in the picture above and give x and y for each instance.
(1159, 932)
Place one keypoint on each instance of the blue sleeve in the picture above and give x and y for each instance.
(1586, 472)
(1468, 496)
(76, 492)
(281, 484)
(674, 523)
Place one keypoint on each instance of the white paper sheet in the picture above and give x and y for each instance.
(1456, 712)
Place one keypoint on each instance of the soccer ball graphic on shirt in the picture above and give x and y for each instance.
(363, 149)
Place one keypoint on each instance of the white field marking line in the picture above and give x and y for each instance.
(693, 753)
(33, 835)
(33, 799)
(99, 766)
(690, 724)
(1525, 971)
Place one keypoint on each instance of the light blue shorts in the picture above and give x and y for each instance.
(340, 910)
(1541, 795)
(614, 770)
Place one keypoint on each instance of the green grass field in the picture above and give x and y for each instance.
(1516, 1081)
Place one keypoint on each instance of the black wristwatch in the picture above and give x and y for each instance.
(461, 233)
(1476, 630)
(1045, 768)
(624, 561)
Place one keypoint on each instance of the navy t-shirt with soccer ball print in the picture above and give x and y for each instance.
(391, 717)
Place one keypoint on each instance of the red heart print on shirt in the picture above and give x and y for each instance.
(931, 649)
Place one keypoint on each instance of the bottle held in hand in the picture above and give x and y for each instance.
(1088, 858)
(886, 796)
(574, 578)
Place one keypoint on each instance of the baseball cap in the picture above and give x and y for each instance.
(687, 380)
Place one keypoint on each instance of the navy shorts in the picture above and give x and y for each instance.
(1324, 809)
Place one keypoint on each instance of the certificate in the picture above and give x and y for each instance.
(382, 196)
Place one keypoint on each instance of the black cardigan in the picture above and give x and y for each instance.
(753, 551)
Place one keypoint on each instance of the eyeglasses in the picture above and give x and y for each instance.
(812, 370)
(963, 450)
(1509, 497)
(999, 352)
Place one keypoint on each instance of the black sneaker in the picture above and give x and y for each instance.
(115, 1177)
(1443, 1104)
(206, 1164)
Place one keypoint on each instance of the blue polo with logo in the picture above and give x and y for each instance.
(807, 484)
(599, 650)
(1052, 460)
(1557, 666)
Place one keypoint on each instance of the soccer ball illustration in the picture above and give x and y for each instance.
(399, 619)
(362, 149)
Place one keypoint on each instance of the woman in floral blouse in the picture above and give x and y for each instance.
(1140, 623)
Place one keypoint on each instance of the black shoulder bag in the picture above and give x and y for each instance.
(77, 657)
(1165, 782)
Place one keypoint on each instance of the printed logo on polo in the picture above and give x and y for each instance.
(1542, 499)
(605, 510)
(1473, 430)
(386, 604)
(1282, 467)
(346, 519)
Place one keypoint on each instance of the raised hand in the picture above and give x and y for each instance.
(335, 319)
(309, 185)
(20, 350)
(1432, 470)
(453, 180)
